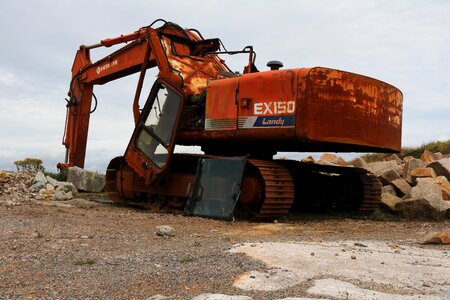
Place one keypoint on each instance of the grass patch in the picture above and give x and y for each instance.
(83, 262)
(186, 259)
(443, 147)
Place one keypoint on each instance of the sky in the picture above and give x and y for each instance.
(404, 43)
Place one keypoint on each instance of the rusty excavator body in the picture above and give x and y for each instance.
(240, 121)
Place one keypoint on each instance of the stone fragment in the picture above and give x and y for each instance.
(445, 186)
(426, 203)
(441, 167)
(62, 196)
(165, 230)
(45, 194)
(308, 159)
(86, 180)
(435, 237)
(379, 167)
(431, 191)
(40, 177)
(423, 172)
(389, 201)
(359, 162)
(49, 187)
(428, 156)
(51, 180)
(389, 189)
(408, 158)
(67, 187)
(412, 164)
(401, 187)
(395, 158)
(388, 176)
(422, 208)
(439, 155)
(36, 187)
(333, 159)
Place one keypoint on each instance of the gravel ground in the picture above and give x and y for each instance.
(88, 250)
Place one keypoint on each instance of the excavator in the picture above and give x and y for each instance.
(240, 121)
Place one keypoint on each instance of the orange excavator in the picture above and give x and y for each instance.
(240, 121)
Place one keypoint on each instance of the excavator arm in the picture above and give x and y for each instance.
(185, 61)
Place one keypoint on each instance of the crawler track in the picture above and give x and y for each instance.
(278, 187)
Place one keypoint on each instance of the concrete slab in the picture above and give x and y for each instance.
(402, 270)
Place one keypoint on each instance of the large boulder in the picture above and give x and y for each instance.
(428, 156)
(426, 203)
(441, 167)
(445, 187)
(388, 189)
(401, 187)
(411, 165)
(388, 176)
(389, 201)
(423, 208)
(86, 180)
(359, 162)
(379, 167)
(332, 159)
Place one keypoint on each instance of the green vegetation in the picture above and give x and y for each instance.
(34, 165)
(443, 147)
(29, 164)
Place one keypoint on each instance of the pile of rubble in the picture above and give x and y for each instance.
(14, 188)
(19, 187)
(414, 188)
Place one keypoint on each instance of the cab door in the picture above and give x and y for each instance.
(153, 140)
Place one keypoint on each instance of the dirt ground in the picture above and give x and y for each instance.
(81, 249)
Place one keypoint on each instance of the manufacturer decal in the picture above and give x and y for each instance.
(106, 66)
(274, 108)
(266, 121)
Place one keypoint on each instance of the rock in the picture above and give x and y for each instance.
(308, 159)
(411, 165)
(439, 155)
(40, 177)
(388, 176)
(388, 189)
(395, 158)
(45, 194)
(333, 159)
(436, 237)
(408, 158)
(36, 187)
(359, 162)
(389, 201)
(423, 208)
(51, 180)
(401, 187)
(86, 180)
(428, 156)
(441, 167)
(67, 187)
(431, 191)
(49, 187)
(62, 196)
(165, 230)
(426, 203)
(423, 172)
(380, 167)
(22, 187)
(445, 187)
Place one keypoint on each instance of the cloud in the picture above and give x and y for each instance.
(405, 43)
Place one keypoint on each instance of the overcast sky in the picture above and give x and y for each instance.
(405, 43)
